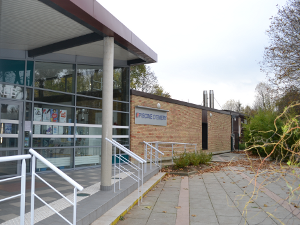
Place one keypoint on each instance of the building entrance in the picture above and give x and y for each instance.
(11, 128)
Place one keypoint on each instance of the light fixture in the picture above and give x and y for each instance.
(210, 115)
(158, 105)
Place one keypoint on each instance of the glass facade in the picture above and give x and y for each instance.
(60, 108)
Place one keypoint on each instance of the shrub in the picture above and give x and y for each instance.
(193, 158)
(181, 160)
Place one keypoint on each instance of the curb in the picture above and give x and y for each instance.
(135, 201)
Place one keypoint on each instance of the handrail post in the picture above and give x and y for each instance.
(142, 182)
(119, 169)
(146, 154)
(156, 154)
(151, 159)
(115, 152)
(23, 192)
(172, 154)
(139, 185)
(75, 206)
(33, 160)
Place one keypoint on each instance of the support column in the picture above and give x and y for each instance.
(107, 113)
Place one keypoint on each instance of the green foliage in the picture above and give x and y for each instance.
(143, 79)
(260, 131)
(192, 158)
(274, 135)
(181, 160)
(242, 146)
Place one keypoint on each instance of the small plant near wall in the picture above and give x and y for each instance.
(191, 159)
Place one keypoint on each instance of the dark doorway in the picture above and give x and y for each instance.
(204, 136)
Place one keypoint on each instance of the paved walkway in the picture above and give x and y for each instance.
(219, 198)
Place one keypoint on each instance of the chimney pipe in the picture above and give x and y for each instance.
(211, 99)
(205, 99)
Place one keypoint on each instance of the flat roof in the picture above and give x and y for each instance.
(74, 27)
(174, 101)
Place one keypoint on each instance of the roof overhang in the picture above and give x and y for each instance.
(72, 27)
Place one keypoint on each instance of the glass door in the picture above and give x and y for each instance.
(10, 135)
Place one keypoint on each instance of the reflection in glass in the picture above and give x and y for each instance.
(53, 97)
(12, 71)
(8, 168)
(88, 116)
(29, 73)
(89, 131)
(122, 141)
(60, 157)
(11, 91)
(28, 94)
(120, 106)
(9, 112)
(8, 142)
(120, 119)
(117, 131)
(89, 102)
(89, 80)
(54, 76)
(87, 156)
(88, 141)
(52, 142)
(121, 84)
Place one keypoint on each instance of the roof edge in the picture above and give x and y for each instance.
(174, 101)
(91, 14)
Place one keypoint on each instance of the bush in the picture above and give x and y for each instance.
(182, 160)
(274, 134)
(186, 159)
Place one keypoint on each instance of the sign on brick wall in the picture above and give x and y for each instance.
(150, 116)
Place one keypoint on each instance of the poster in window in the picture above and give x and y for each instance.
(55, 129)
(49, 129)
(38, 114)
(46, 115)
(8, 128)
(37, 129)
(54, 115)
(62, 116)
(60, 130)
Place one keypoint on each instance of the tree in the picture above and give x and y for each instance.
(264, 98)
(143, 79)
(281, 59)
(233, 105)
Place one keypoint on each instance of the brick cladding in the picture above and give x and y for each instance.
(219, 131)
(184, 125)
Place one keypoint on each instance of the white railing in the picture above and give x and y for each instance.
(157, 160)
(34, 155)
(23, 182)
(172, 146)
(122, 160)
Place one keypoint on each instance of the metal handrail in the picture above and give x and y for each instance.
(156, 157)
(172, 146)
(127, 151)
(76, 186)
(23, 182)
(56, 170)
(121, 168)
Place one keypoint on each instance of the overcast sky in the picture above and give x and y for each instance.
(202, 45)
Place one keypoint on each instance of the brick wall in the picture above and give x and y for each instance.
(184, 125)
(219, 130)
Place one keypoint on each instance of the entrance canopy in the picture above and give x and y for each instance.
(71, 27)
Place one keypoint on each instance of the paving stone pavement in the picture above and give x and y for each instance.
(219, 198)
